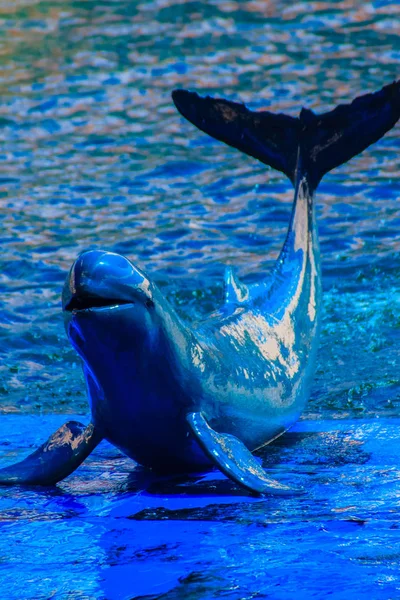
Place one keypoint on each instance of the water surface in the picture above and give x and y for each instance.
(93, 154)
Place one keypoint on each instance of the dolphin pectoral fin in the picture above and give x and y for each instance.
(232, 457)
(57, 458)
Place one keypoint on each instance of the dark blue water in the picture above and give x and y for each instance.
(93, 154)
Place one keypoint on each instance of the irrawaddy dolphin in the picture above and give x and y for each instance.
(178, 396)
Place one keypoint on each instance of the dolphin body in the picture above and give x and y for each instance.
(175, 396)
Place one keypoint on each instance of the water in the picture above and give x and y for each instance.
(99, 535)
(93, 154)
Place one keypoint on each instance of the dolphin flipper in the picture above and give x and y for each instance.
(57, 458)
(232, 457)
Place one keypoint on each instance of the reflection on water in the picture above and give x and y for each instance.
(93, 154)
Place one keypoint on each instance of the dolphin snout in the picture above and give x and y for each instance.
(100, 278)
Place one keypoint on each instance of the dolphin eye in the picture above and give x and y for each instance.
(149, 303)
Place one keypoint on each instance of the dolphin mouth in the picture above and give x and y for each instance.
(87, 303)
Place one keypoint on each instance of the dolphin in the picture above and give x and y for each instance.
(178, 396)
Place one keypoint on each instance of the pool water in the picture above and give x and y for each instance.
(94, 154)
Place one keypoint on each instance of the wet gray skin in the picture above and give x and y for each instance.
(175, 395)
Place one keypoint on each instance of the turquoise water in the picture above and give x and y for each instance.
(93, 154)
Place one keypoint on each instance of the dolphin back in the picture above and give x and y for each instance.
(310, 145)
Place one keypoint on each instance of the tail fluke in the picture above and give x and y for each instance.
(271, 138)
(311, 144)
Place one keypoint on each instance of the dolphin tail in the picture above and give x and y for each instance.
(63, 452)
(309, 145)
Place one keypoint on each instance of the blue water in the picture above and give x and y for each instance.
(93, 154)
(111, 532)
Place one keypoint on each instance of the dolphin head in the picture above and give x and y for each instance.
(110, 312)
(100, 279)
